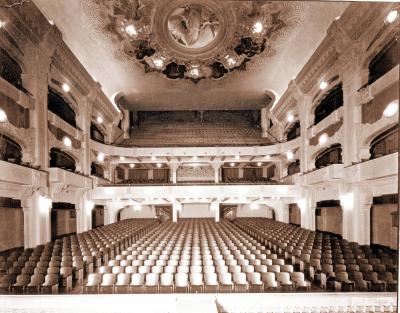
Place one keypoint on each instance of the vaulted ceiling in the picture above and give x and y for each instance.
(192, 54)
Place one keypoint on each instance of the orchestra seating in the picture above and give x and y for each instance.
(60, 265)
(198, 255)
(329, 261)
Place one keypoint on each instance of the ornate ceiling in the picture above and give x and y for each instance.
(192, 54)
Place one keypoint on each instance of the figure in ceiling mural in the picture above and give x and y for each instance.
(193, 26)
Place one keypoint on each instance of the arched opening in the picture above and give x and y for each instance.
(294, 167)
(228, 211)
(329, 217)
(384, 217)
(136, 211)
(62, 160)
(332, 155)
(384, 61)
(60, 107)
(63, 219)
(385, 143)
(10, 151)
(163, 212)
(97, 216)
(96, 170)
(331, 102)
(294, 214)
(96, 134)
(294, 131)
(11, 225)
(10, 70)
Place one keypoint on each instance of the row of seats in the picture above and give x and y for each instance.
(196, 255)
(327, 260)
(60, 265)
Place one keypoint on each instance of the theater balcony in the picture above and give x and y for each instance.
(16, 179)
(62, 180)
(196, 128)
(333, 172)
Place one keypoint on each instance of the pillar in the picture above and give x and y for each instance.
(356, 205)
(176, 208)
(217, 168)
(214, 206)
(37, 221)
(265, 115)
(126, 124)
(84, 124)
(84, 209)
(173, 171)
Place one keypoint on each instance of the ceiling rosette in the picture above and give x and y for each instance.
(194, 39)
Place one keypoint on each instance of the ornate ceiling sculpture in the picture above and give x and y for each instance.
(195, 39)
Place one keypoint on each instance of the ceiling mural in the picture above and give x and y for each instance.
(194, 39)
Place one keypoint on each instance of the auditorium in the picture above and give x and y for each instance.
(205, 156)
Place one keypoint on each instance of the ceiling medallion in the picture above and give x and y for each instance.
(197, 39)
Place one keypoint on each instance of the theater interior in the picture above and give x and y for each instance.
(199, 156)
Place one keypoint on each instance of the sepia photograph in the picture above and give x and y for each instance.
(199, 156)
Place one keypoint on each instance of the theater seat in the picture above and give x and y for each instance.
(122, 284)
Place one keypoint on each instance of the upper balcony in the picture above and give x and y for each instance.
(379, 168)
(19, 96)
(16, 178)
(331, 119)
(333, 172)
(69, 179)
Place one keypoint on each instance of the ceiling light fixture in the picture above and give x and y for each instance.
(268, 157)
(237, 157)
(67, 142)
(131, 30)
(3, 116)
(323, 85)
(51, 22)
(392, 16)
(259, 164)
(194, 72)
(258, 27)
(100, 157)
(66, 87)
(232, 164)
(159, 165)
(290, 117)
(132, 165)
(337, 18)
(231, 61)
(391, 109)
(323, 139)
(122, 158)
(99, 119)
(194, 158)
(2, 23)
(153, 157)
(158, 63)
(289, 155)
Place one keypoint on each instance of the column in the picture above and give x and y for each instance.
(84, 124)
(37, 222)
(282, 211)
(217, 168)
(356, 205)
(353, 77)
(265, 115)
(110, 212)
(176, 208)
(126, 123)
(84, 209)
(214, 206)
(173, 171)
